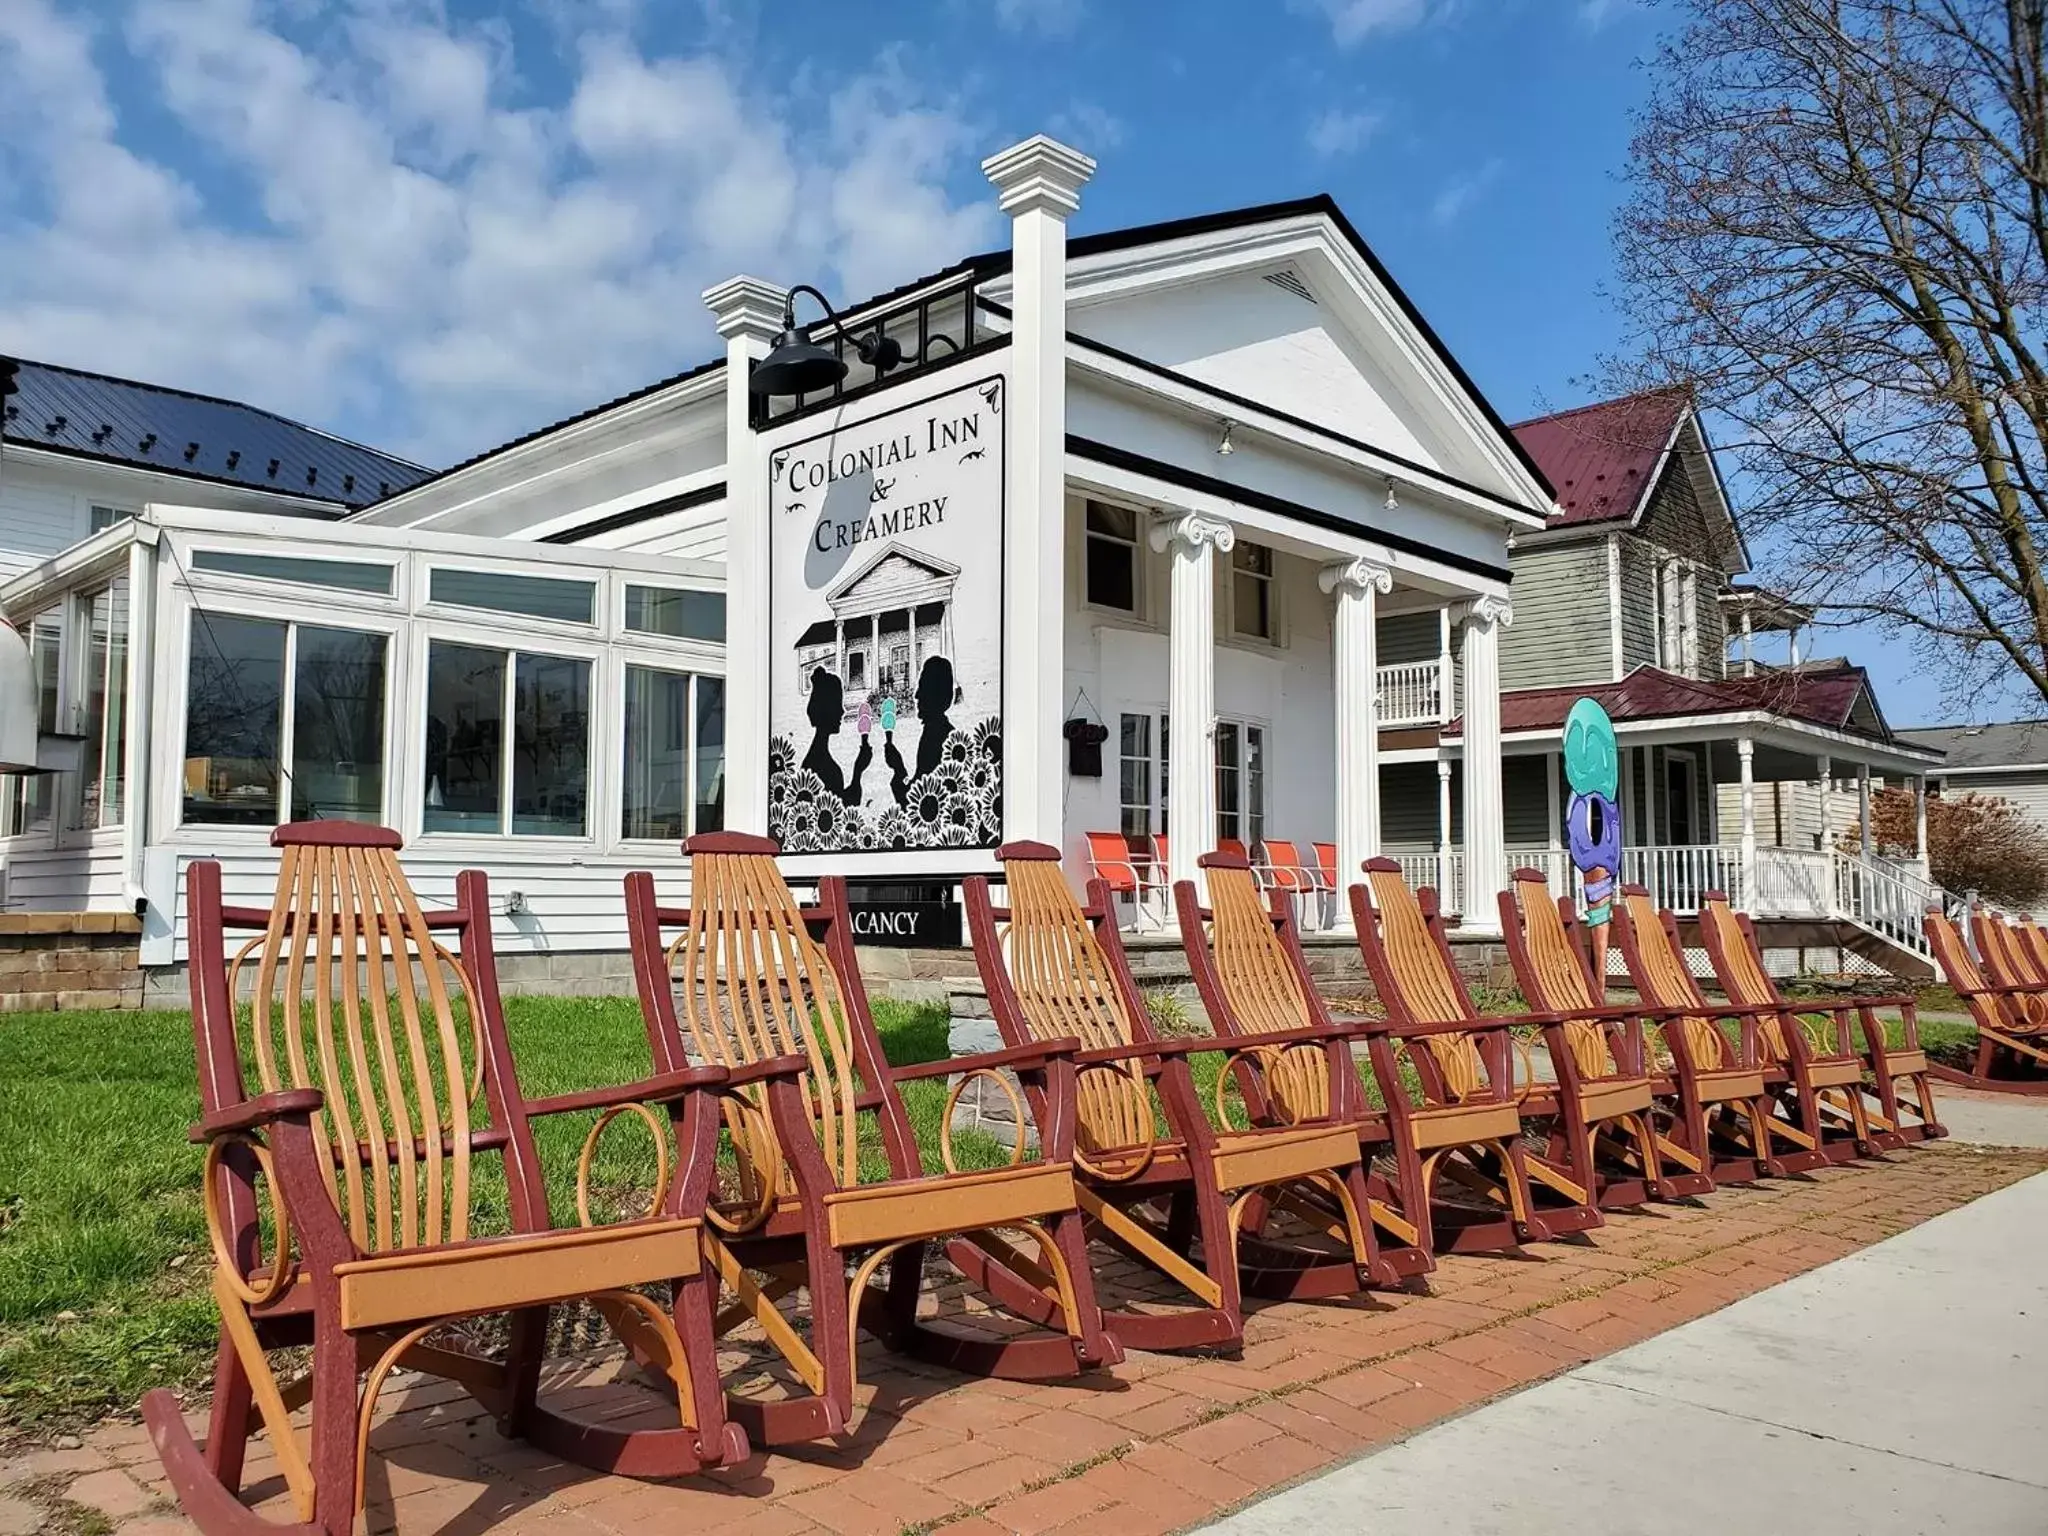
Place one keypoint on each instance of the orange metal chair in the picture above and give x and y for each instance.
(383, 1077)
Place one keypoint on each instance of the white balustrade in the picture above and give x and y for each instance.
(1411, 693)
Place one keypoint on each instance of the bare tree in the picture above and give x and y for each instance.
(1838, 227)
(1974, 843)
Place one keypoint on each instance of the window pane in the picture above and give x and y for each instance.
(1227, 780)
(92, 711)
(1119, 522)
(1252, 605)
(338, 726)
(114, 767)
(673, 611)
(103, 518)
(1247, 556)
(657, 750)
(465, 738)
(550, 746)
(1112, 574)
(349, 575)
(33, 797)
(538, 597)
(710, 815)
(1255, 784)
(234, 711)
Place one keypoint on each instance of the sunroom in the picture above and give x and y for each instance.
(557, 718)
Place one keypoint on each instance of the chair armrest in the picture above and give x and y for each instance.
(762, 1071)
(1418, 1031)
(1340, 1031)
(254, 1114)
(1160, 1050)
(660, 1089)
(1900, 1001)
(1011, 1056)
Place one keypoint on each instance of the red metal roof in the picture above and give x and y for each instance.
(1821, 694)
(1601, 458)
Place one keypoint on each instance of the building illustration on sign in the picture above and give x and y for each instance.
(886, 612)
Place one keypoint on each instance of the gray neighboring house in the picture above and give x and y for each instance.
(2007, 762)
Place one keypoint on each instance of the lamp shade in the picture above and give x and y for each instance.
(795, 366)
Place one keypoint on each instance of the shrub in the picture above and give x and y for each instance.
(1974, 843)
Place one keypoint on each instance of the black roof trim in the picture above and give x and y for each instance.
(647, 512)
(1173, 474)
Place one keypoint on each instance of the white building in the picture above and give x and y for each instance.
(1189, 472)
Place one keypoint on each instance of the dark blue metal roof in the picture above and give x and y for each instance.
(148, 426)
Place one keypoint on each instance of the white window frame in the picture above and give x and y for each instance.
(1135, 614)
(115, 514)
(1244, 725)
(679, 666)
(73, 689)
(1152, 761)
(1231, 571)
(12, 837)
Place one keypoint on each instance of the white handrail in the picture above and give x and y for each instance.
(1410, 693)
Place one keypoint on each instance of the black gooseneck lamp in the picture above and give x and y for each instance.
(796, 365)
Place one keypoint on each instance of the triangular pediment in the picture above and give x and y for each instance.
(896, 572)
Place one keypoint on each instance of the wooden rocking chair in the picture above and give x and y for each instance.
(1056, 969)
(1739, 1139)
(1855, 1090)
(1469, 1124)
(1296, 1067)
(2009, 1010)
(374, 1095)
(1608, 1089)
(771, 990)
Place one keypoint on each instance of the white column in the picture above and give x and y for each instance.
(1554, 792)
(1748, 644)
(1357, 586)
(749, 314)
(1745, 754)
(1443, 828)
(1193, 542)
(1486, 860)
(1039, 182)
(1827, 804)
(1920, 827)
(1713, 795)
(1445, 692)
(1863, 805)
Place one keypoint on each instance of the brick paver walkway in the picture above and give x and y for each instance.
(1163, 1443)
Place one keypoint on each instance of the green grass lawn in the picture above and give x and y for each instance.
(103, 1248)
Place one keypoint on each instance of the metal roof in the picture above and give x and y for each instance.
(170, 431)
(1601, 459)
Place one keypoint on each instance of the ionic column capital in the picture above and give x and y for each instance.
(1488, 611)
(1191, 531)
(1357, 576)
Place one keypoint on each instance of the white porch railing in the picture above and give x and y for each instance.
(1887, 898)
(1445, 871)
(1411, 693)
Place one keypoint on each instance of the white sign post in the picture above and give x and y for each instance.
(886, 631)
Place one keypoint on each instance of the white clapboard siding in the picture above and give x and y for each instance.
(86, 877)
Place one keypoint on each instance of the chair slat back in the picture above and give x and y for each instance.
(1742, 975)
(751, 984)
(2009, 960)
(1066, 990)
(2035, 938)
(1559, 975)
(352, 995)
(1660, 974)
(1429, 991)
(1957, 962)
(1262, 988)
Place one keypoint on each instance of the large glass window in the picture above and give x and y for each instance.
(103, 709)
(1251, 590)
(1240, 782)
(349, 575)
(675, 754)
(1112, 557)
(239, 713)
(32, 797)
(532, 780)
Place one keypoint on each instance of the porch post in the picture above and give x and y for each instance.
(1745, 754)
(1038, 183)
(1485, 836)
(1443, 828)
(1863, 805)
(749, 315)
(1552, 792)
(1920, 827)
(1748, 641)
(1445, 677)
(1194, 543)
(1827, 803)
(1357, 586)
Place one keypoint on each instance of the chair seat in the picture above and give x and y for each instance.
(1900, 1063)
(1605, 1098)
(1835, 1072)
(1245, 1159)
(495, 1274)
(1459, 1125)
(959, 1202)
(1730, 1083)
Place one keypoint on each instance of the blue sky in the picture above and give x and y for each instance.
(436, 225)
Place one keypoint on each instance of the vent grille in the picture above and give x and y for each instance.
(1289, 281)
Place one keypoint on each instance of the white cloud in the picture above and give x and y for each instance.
(1341, 132)
(1052, 18)
(391, 235)
(1595, 14)
(1352, 21)
(1461, 192)
(1088, 127)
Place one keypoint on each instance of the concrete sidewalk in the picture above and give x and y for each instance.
(1901, 1389)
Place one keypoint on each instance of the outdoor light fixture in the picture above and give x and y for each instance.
(796, 365)
(1393, 501)
(1224, 447)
